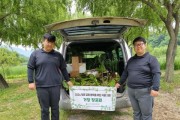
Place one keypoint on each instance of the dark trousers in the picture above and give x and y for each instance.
(49, 98)
(142, 103)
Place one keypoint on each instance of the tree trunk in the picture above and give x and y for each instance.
(170, 53)
(171, 18)
(3, 83)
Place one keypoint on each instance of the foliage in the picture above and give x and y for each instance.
(123, 9)
(160, 53)
(101, 79)
(12, 72)
(169, 87)
(22, 21)
(129, 8)
(163, 15)
(158, 40)
(103, 75)
(101, 67)
(8, 58)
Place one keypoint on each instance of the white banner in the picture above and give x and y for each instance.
(93, 98)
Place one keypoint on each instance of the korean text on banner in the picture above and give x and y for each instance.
(93, 98)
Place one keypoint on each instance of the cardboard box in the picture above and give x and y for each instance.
(75, 66)
(75, 63)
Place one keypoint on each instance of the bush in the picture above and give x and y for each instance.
(19, 71)
(160, 54)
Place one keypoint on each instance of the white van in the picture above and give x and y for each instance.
(95, 41)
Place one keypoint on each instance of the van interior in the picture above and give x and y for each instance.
(95, 54)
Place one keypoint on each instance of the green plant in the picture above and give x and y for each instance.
(160, 53)
(11, 72)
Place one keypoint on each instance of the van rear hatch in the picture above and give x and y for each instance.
(94, 28)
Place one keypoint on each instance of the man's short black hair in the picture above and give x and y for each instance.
(139, 39)
(49, 37)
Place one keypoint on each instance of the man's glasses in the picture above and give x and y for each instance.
(139, 44)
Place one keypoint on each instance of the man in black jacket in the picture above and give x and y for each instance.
(143, 79)
(44, 74)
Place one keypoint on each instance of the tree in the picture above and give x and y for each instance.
(22, 21)
(171, 17)
(7, 58)
(161, 14)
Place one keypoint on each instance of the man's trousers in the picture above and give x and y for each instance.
(49, 98)
(142, 103)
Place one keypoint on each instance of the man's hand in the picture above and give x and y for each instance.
(70, 83)
(154, 93)
(117, 85)
(32, 86)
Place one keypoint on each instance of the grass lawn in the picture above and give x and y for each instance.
(19, 103)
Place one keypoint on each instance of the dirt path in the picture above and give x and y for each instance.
(167, 106)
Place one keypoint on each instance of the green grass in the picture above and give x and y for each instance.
(13, 72)
(160, 53)
(19, 103)
(169, 87)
